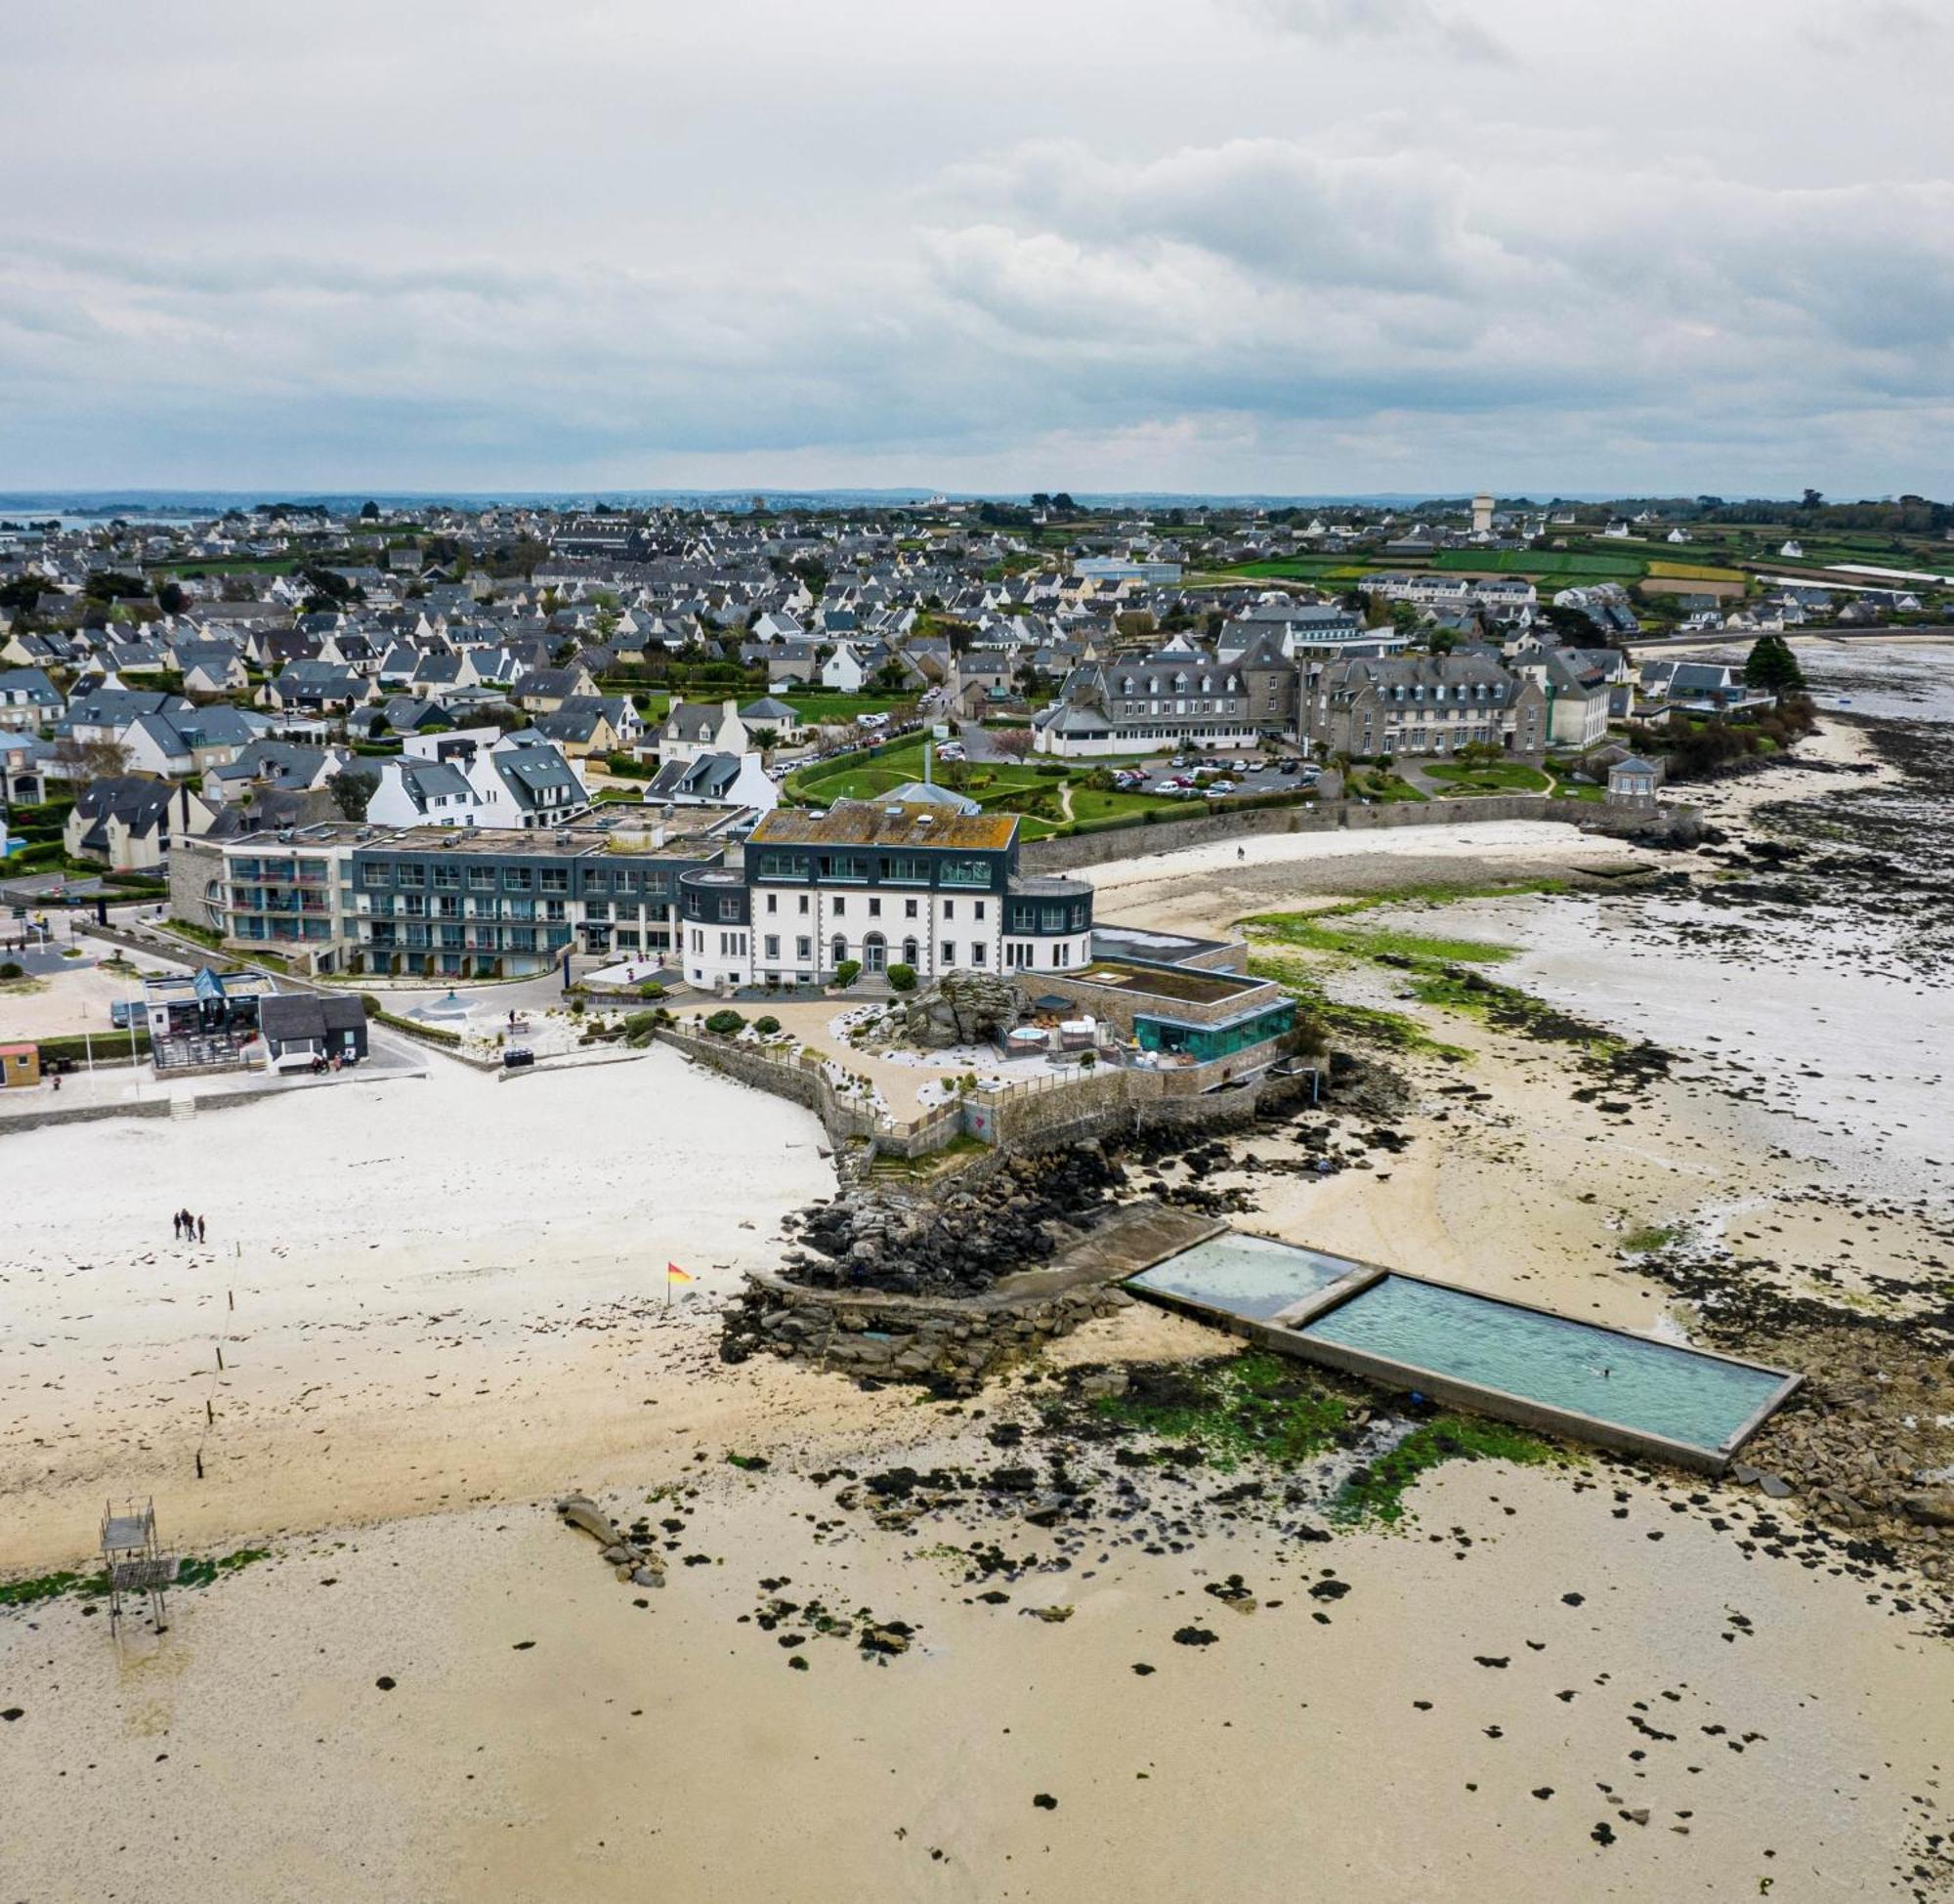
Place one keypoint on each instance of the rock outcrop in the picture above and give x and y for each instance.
(959, 1009)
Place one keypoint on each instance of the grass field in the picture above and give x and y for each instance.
(1543, 562)
(1696, 571)
(835, 709)
(1042, 801)
(1303, 569)
(1496, 777)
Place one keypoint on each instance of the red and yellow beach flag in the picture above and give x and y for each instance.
(675, 1274)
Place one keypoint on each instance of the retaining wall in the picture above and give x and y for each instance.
(899, 1337)
(1066, 854)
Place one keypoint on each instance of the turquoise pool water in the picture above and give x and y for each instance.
(1246, 1276)
(1647, 1386)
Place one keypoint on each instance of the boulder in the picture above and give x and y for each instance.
(959, 1009)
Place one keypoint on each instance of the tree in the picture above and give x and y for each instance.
(766, 738)
(1812, 499)
(91, 760)
(1014, 743)
(1771, 664)
(370, 512)
(172, 599)
(352, 789)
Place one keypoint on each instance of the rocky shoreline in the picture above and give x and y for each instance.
(1862, 1447)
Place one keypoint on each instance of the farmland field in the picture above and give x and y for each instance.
(1551, 563)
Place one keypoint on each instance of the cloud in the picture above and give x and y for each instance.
(1281, 244)
(1329, 22)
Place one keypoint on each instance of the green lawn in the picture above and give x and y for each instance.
(1498, 777)
(1371, 784)
(835, 709)
(1556, 563)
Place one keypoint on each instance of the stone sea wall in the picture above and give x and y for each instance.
(908, 1339)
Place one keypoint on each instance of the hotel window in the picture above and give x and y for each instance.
(949, 952)
(729, 908)
(980, 909)
(517, 880)
(840, 907)
(874, 909)
(980, 952)
(412, 876)
(803, 905)
(480, 879)
(773, 903)
(948, 908)
(555, 880)
(773, 945)
(908, 909)
(803, 949)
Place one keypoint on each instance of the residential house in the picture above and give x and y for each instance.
(1578, 689)
(716, 780)
(768, 712)
(125, 823)
(29, 699)
(693, 728)
(413, 792)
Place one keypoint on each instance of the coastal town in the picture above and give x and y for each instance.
(1168, 1128)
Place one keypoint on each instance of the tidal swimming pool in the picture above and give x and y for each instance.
(1499, 1357)
(1656, 1388)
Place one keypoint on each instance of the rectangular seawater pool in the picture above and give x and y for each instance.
(1254, 1276)
(1498, 1358)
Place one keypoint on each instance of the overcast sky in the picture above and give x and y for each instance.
(1270, 245)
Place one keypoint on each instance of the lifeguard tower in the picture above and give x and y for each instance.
(135, 1563)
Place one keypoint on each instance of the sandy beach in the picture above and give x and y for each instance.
(1546, 1681)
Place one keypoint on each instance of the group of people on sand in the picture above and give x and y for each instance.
(189, 1228)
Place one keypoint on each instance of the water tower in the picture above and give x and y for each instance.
(1482, 515)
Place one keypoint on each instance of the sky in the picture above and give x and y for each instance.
(1268, 246)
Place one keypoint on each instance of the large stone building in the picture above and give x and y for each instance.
(1147, 704)
(1422, 704)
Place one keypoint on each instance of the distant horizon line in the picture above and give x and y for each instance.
(96, 498)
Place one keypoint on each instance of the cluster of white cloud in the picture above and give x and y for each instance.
(1387, 253)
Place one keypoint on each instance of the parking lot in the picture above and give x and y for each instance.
(1212, 777)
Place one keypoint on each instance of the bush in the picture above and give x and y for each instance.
(13, 969)
(371, 1003)
(848, 971)
(723, 1024)
(766, 1027)
(902, 978)
(1052, 770)
(628, 766)
(651, 988)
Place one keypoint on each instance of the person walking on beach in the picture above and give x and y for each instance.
(199, 1229)
(177, 1225)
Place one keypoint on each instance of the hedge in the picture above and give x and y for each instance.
(110, 1047)
(413, 1027)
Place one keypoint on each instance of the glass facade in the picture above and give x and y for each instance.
(1206, 1043)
